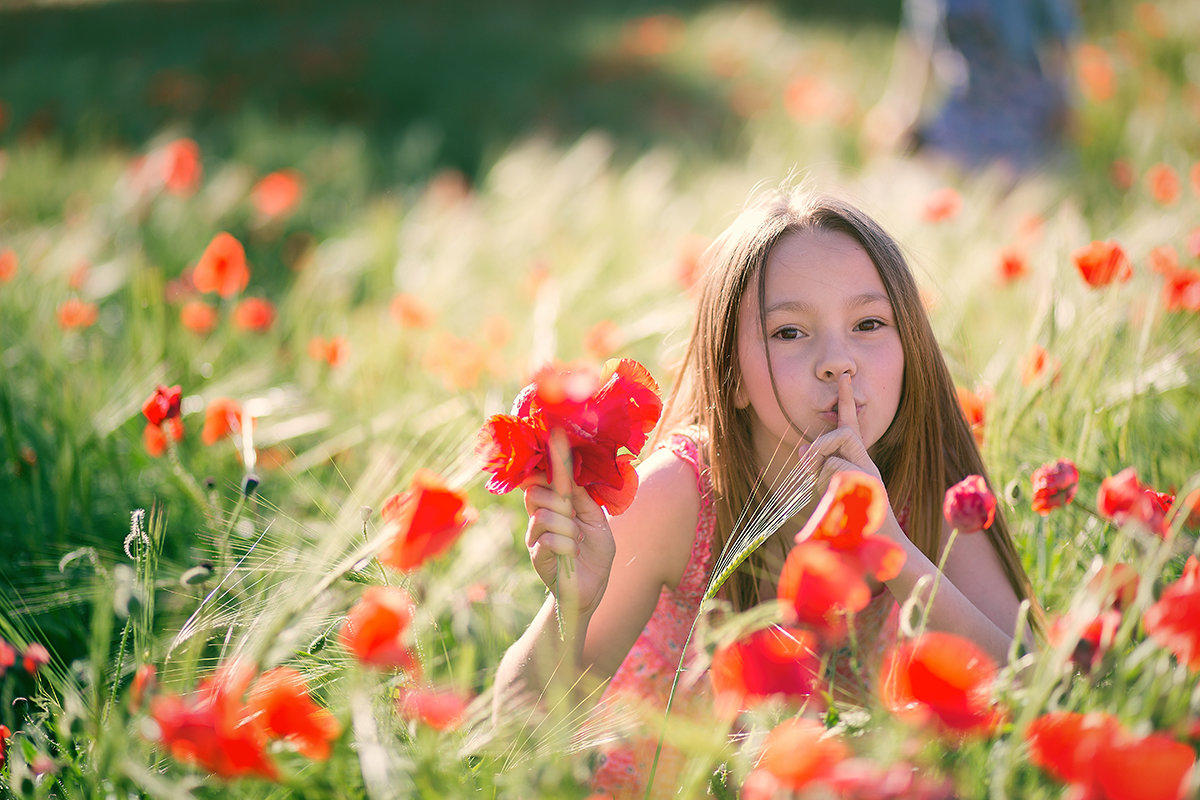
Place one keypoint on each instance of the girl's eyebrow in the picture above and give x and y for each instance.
(802, 307)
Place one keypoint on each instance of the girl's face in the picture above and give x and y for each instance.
(827, 313)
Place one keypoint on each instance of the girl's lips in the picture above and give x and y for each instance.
(831, 416)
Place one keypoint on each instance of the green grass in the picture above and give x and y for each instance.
(458, 156)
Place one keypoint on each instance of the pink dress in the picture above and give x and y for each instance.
(639, 690)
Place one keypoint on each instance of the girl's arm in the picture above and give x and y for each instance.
(620, 567)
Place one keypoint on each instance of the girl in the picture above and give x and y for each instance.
(810, 341)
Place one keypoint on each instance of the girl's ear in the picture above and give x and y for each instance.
(740, 400)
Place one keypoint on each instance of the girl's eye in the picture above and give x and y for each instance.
(870, 325)
(788, 333)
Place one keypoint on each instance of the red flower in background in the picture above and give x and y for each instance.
(773, 661)
(35, 657)
(972, 406)
(969, 505)
(943, 204)
(222, 418)
(602, 340)
(1164, 184)
(278, 194)
(331, 351)
(8, 656)
(145, 680)
(1011, 265)
(1036, 364)
(222, 267)
(853, 507)
(944, 678)
(154, 437)
(1093, 642)
(254, 314)
(163, 404)
(1095, 71)
(606, 420)
(1101, 263)
(409, 311)
(1116, 585)
(198, 316)
(798, 753)
(8, 265)
(1174, 621)
(280, 706)
(1054, 485)
(1123, 498)
(208, 730)
(5, 733)
(819, 585)
(181, 168)
(1181, 290)
(424, 521)
(74, 313)
(1103, 761)
(440, 709)
(376, 629)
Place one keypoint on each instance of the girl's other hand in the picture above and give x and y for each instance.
(567, 523)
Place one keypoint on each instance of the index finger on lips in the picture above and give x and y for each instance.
(847, 413)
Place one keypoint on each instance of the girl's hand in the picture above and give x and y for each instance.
(568, 523)
(841, 449)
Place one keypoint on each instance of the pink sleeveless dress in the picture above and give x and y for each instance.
(640, 688)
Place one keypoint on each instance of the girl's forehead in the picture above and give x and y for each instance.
(817, 261)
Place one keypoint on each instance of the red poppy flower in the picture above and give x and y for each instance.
(376, 629)
(1164, 259)
(1174, 621)
(800, 752)
(181, 169)
(5, 734)
(75, 313)
(652, 35)
(331, 351)
(198, 316)
(969, 505)
(440, 709)
(1115, 585)
(1194, 178)
(35, 657)
(1164, 184)
(943, 204)
(209, 729)
(1101, 263)
(1064, 743)
(8, 265)
(1123, 498)
(8, 656)
(606, 420)
(1095, 640)
(853, 507)
(278, 194)
(145, 679)
(254, 314)
(972, 406)
(155, 437)
(222, 418)
(944, 678)
(409, 311)
(280, 706)
(1011, 265)
(773, 661)
(1181, 290)
(222, 267)
(1120, 174)
(1037, 364)
(819, 585)
(163, 404)
(1054, 485)
(1095, 71)
(424, 521)
(602, 339)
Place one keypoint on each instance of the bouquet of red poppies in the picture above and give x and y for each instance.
(604, 417)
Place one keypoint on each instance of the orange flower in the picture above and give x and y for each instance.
(942, 678)
(424, 521)
(943, 204)
(75, 313)
(1095, 71)
(1011, 265)
(254, 314)
(8, 265)
(409, 311)
(278, 194)
(332, 352)
(807, 98)
(1037, 364)
(769, 662)
(651, 36)
(602, 340)
(1101, 263)
(852, 509)
(79, 275)
(1164, 184)
(1181, 290)
(972, 406)
(181, 169)
(280, 706)
(440, 709)
(819, 585)
(198, 316)
(376, 629)
(1164, 259)
(800, 752)
(222, 418)
(222, 267)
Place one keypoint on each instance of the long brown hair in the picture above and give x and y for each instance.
(927, 448)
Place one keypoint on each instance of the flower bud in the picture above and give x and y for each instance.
(969, 505)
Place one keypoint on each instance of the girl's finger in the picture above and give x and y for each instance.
(552, 543)
(847, 413)
(537, 497)
(546, 521)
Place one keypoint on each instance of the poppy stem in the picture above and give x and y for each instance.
(560, 482)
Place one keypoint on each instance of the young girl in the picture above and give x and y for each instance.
(810, 341)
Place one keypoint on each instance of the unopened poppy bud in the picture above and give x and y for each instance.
(1054, 485)
(250, 482)
(969, 505)
(196, 575)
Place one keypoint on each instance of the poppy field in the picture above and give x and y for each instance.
(270, 285)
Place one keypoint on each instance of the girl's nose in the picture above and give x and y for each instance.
(834, 362)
